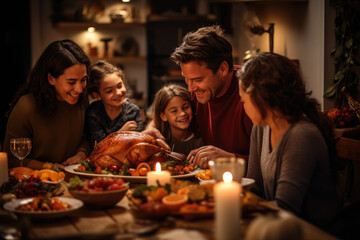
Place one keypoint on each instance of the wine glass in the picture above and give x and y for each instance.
(20, 148)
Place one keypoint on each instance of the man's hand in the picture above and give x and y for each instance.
(202, 155)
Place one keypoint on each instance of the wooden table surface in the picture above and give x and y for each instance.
(119, 222)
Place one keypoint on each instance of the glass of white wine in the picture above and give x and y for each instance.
(20, 148)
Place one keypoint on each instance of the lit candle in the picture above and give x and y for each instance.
(227, 208)
(162, 176)
(3, 168)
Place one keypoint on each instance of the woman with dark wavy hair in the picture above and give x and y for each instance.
(50, 108)
(292, 146)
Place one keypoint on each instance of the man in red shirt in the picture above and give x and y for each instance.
(205, 57)
(206, 61)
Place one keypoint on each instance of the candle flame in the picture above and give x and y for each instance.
(227, 177)
(158, 167)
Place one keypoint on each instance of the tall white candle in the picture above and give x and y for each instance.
(3, 167)
(227, 209)
(162, 176)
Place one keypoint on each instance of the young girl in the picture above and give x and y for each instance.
(114, 112)
(173, 117)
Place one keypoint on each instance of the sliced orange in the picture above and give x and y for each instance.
(184, 190)
(158, 194)
(143, 171)
(143, 165)
(175, 201)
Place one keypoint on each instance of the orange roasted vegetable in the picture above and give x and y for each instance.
(81, 168)
(143, 169)
(48, 175)
(20, 172)
(204, 175)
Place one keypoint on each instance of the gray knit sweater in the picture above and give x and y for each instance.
(296, 174)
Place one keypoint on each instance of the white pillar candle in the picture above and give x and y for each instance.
(3, 167)
(227, 209)
(162, 176)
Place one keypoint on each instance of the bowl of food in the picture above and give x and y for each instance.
(43, 207)
(179, 198)
(100, 193)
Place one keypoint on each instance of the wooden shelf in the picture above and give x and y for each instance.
(86, 25)
(122, 60)
(256, 1)
(180, 18)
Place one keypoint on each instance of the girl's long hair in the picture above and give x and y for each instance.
(57, 57)
(274, 81)
(161, 100)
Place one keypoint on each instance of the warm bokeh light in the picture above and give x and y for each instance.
(91, 29)
(157, 167)
(227, 177)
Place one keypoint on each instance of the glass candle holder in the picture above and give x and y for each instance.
(236, 166)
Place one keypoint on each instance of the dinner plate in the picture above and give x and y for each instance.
(12, 205)
(246, 183)
(132, 179)
(53, 183)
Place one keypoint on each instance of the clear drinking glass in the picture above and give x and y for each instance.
(236, 166)
(20, 148)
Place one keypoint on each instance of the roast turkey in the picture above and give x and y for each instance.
(129, 148)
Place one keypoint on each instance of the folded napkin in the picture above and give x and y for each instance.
(181, 234)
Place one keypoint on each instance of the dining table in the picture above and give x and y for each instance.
(120, 222)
